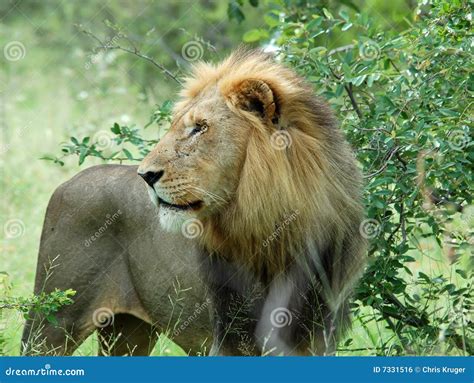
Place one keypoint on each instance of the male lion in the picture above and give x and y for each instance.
(255, 164)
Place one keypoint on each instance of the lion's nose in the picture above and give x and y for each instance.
(151, 177)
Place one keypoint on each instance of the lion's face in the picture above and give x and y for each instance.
(250, 145)
(193, 171)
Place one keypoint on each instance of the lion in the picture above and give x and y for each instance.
(101, 237)
(256, 168)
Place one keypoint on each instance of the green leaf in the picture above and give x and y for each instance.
(234, 12)
(424, 276)
(313, 24)
(82, 155)
(271, 19)
(255, 35)
(359, 80)
(328, 14)
(115, 129)
(462, 273)
(346, 26)
(128, 154)
(344, 15)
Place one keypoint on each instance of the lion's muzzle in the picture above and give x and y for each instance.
(151, 177)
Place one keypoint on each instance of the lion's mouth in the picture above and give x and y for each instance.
(196, 205)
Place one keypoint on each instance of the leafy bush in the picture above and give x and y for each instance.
(405, 103)
(44, 304)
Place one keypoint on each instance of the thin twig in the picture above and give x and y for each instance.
(344, 48)
(149, 59)
(388, 157)
(105, 46)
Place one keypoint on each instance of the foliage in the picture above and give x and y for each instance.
(128, 139)
(405, 100)
(44, 304)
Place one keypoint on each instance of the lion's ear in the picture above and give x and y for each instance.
(255, 96)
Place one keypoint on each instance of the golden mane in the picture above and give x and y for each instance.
(314, 180)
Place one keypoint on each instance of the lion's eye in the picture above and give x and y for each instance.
(199, 127)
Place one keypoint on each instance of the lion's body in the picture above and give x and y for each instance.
(221, 164)
(131, 268)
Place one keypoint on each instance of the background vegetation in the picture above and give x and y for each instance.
(397, 73)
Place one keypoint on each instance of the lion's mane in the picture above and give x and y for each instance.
(299, 204)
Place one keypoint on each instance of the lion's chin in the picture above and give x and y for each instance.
(172, 220)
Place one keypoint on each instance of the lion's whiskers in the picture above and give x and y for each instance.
(217, 198)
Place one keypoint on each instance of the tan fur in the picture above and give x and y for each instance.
(316, 175)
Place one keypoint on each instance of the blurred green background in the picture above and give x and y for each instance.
(61, 87)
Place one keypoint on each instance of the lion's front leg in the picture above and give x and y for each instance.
(237, 301)
(234, 322)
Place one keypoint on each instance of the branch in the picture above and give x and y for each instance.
(402, 161)
(348, 88)
(106, 46)
(344, 48)
(411, 320)
(388, 157)
(400, 225)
